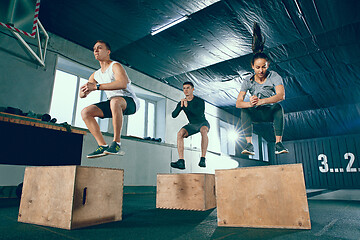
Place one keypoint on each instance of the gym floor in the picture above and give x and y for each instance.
(334, 215)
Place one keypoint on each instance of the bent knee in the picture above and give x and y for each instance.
(91, 111)
(118, 103)
(85, 113)
(182, 133)
(204, 130)
(278, 109)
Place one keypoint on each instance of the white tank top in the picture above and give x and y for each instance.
(108, 77)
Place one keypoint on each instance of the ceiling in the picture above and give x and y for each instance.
(313, 44)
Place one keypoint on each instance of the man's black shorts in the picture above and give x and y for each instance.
(193, 128)
(105, 107)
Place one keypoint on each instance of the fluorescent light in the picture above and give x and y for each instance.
(169, 25)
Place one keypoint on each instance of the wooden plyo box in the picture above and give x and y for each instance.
(188, 191)
(71, 196)
(262, 197)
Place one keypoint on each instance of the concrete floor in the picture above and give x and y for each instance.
(349, 194)
(334, 215)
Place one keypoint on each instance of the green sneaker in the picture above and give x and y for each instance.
(99, 152)
(114, 149)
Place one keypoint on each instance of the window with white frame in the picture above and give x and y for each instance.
(265, 150)
(255, 142)
(136, 122)
(228, 138)
(66, 105)
(144, 123)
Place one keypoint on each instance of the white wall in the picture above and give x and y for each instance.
(143, 160)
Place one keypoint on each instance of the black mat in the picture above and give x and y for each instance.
(141, 220)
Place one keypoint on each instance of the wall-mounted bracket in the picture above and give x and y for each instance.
(40, 57)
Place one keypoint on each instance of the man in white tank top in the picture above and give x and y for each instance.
(111, 78)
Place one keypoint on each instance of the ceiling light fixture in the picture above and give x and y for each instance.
(169, 25)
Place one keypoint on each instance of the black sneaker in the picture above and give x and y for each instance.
(249, 149)
(279, 148)
(99, 152)
(180, 164)
(114, 149)
(202, 162)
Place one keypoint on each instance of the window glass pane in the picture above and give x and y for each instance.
(62, 102)
(213, 134)
(255, 142)
(151, 119)
(104, 123)
(224, 140)
(136, 122)
(196, 141)
(229, 136)
(265, 150)
(231, 146)
(93, 97)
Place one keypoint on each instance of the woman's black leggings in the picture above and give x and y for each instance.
(273, 113)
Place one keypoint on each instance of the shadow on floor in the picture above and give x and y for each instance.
(141, 220)
(250, 233)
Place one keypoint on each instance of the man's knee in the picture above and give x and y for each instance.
(86, 112)
(117, 103)
(204, 131)
(182, 133)
(90, 112)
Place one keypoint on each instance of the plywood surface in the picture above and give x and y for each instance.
(54, 196)
(210, 194)
(47, 196)
(185, 191)
(103, 199)
(267, 196)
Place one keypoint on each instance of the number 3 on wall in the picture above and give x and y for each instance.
(351, 161)
(324, 168)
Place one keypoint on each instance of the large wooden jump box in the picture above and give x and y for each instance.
(262, 197)
(71, 196)
(188, 191)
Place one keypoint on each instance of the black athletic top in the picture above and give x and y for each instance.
(195, 111)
